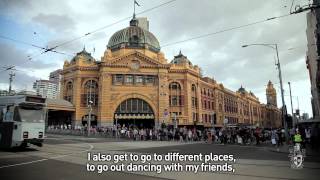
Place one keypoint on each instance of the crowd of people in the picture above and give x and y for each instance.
(224, 135)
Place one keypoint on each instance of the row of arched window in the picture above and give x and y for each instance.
(207, 92)
(176, 97)
(175, 94)
(194, 98)
(69, 92)
(89, 94)
(230, 105)
(91, 90)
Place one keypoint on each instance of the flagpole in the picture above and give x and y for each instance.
(134, 7)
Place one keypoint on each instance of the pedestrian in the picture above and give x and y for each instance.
(239, 139)
(151, 134)
(273, 137)
(220, 136)
(292, 132)
(135, 134)
(257, 135)
(297, 139)
(189, 135)
(308, 135)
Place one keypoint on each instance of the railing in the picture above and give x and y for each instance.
(82, 132)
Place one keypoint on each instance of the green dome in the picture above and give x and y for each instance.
(181, 59)
(84, 55)
(242, 90)
(133, 37)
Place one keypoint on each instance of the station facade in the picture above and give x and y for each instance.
(134, 83)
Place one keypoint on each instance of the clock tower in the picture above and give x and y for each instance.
(271, 94)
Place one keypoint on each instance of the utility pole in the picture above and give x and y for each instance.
(116, 130)
(293, 118)
(275, 47)
(89, 118)
(90, 107)
(282, 96)
(11, 74)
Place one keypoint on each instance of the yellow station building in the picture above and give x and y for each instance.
(134, 83)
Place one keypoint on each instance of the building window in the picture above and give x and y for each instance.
(195, 117)
(138, 79)
(129, 79)
(194, 98)
(90, 93)
(118, 79)
(149, 80)
(134, 105)
(175, 97)
(69, 92)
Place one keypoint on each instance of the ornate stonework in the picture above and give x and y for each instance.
(146, 78)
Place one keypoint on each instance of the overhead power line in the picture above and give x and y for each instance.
(33, 45)
(7, 68)
(104, 27)
(297, 11)
(52, 49)
(224, 30)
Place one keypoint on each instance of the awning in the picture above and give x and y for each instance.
(59, 105)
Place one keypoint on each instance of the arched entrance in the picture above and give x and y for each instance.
(134, 112)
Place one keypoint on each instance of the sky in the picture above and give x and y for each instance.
(48, 23)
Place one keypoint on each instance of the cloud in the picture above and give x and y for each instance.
(8, 5)
(27, 71)
(59, 23)
(21, 80)
(10, 55)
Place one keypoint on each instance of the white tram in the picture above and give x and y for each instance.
(22, 120)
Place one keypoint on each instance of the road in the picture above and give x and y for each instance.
(65, 157)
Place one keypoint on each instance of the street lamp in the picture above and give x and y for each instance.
(275, 47)
(89, 118)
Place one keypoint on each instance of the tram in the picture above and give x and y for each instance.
(22, 120)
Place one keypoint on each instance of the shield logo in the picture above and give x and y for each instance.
(297, 160)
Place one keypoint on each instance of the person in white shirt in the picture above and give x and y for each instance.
(308, 134)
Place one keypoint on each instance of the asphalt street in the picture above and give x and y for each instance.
(65, 157)
(240, 152)
(58, 170)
